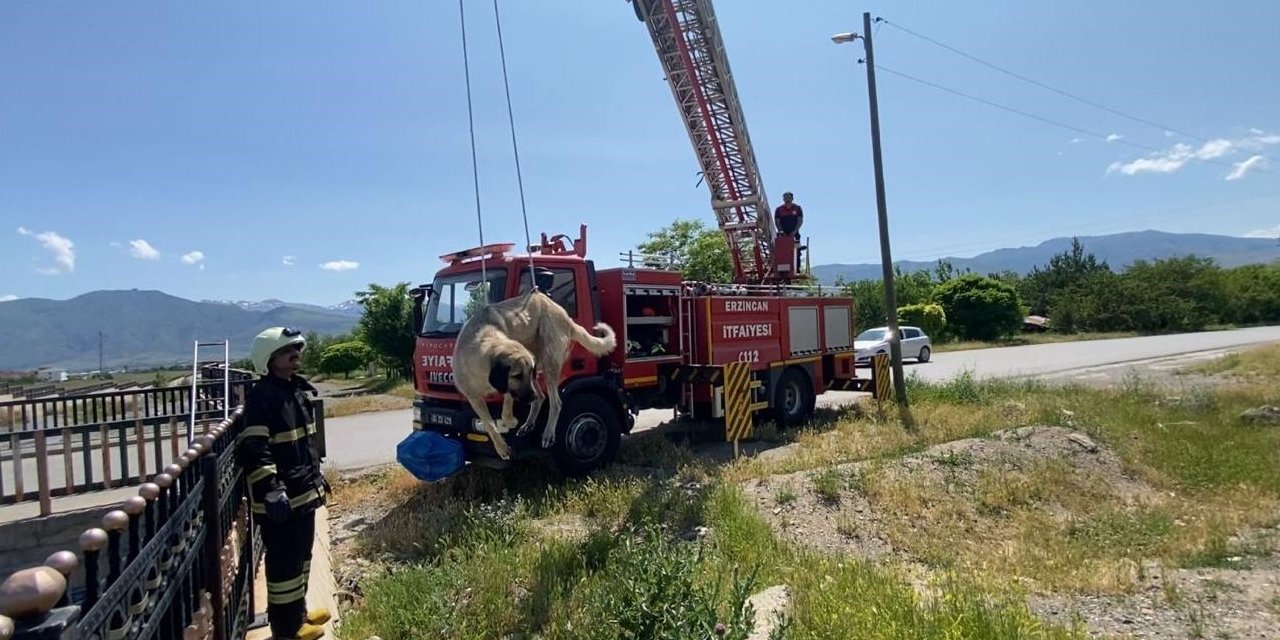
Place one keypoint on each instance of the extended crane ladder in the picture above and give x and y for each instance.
(687, 39)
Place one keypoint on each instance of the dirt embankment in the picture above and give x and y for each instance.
(852, 509)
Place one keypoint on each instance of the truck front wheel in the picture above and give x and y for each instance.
(793, 398)
(588, 435)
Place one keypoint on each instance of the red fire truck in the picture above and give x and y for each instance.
(676, 338)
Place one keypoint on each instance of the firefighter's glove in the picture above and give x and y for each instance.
(277, 503)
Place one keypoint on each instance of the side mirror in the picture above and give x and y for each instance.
(420, 295)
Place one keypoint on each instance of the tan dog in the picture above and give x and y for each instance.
(501, 348)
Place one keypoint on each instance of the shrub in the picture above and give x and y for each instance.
(930, 317)
(980, 308)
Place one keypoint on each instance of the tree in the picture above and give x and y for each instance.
(1093, 303)
(345, 356)
(980, 308)
(697, 252)
(1064, 271)
(316, 344)
(913, 288)
(1253, 292)
(929, 317)
(868, 303)
(1175, 294)
(386, 326)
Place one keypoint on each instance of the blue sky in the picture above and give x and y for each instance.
(133, 135)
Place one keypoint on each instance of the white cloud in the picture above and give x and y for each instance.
(340, 265)
(1241, 169)
(62, 249)
(1074, 141)
(117, 245)
(1113, 137)
(1174, 159)
(8, 298)
(1214, 149)
(289, 261)
(1258, 140)
(1273, 232)
(142, 250)
(195, 257)
(1164, 162)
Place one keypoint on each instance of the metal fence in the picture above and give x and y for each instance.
(116, 405)
(175, 561)
(98, 441)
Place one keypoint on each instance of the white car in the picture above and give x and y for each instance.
(915, 344)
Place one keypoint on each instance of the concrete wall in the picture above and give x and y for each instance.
(27, 543)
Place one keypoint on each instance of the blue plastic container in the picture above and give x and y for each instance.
(430, 456)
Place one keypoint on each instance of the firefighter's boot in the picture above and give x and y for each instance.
(309, 631)
(317, 616)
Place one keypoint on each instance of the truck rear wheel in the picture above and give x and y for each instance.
(793, 398)
(588, 435)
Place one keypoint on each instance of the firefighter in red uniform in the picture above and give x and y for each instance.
(282, 467)
(789, 217)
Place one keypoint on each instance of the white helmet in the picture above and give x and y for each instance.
(270, 341)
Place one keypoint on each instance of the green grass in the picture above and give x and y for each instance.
(1258, 363)
(827, 484)
(853, 599)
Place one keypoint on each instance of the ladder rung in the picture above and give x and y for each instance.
(730, 204)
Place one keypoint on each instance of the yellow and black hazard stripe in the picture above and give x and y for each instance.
(695, 373)
(737, 401)
(880, 376)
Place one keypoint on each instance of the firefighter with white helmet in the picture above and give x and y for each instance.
(282, 467)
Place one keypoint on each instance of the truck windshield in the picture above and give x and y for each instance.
(456, 297)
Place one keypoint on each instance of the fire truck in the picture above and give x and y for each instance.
(763, 346)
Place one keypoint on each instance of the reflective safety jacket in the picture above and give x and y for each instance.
(278, 445)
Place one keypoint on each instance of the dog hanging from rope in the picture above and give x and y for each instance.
(504, 345)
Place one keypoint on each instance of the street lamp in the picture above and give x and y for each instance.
(886, 259)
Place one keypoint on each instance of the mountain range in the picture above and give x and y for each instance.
(348, 308)
(1119, 250)
(143, 328)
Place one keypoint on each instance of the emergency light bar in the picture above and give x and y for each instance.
(487, 251)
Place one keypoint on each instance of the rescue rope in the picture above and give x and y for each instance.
(524, 212)
(475, 172)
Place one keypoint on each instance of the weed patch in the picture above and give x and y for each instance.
(833, 599)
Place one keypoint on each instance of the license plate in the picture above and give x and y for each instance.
(442, 419)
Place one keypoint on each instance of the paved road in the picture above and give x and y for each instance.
(369, 439)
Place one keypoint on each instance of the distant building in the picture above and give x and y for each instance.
(51, 375)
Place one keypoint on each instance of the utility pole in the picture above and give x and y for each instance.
(886, 259)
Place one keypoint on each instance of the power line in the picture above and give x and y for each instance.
(1033, 116)
(1041, 84)
(1094, 134)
